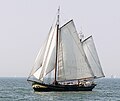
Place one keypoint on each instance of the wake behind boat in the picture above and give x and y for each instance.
(66, 62)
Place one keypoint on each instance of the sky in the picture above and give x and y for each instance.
(24, 25)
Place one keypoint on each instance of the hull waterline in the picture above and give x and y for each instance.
(39, 87)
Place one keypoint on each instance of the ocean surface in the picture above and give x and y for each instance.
(18, 89)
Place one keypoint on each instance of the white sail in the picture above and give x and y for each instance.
(37, 73)
(50, 53)
(74, 65)
(45, 59)
(91, 53)
(38, 62)
(49, 78)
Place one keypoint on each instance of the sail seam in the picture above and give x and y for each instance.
(60, 38)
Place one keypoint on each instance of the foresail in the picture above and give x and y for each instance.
(50, 53)
(38, 62)
(45, 59)
(49, 78)
(91, 53)
(37, 73)
(73, 64)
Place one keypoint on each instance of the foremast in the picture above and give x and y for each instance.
(55, 81)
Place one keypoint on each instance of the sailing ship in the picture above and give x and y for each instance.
(66, 62)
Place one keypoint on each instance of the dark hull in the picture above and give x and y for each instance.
(39, 87)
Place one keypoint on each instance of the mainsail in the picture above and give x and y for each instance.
(71, 59)
(92, 56)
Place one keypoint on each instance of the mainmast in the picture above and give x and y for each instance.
(55, 81)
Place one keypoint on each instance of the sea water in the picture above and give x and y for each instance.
(18, 89)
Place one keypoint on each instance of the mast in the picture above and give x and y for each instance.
(55, 81)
